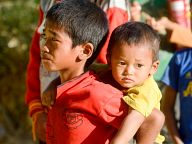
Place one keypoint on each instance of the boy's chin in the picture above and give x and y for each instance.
(49, 68)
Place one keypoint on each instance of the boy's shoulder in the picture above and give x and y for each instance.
(102, 85)
(88, 83)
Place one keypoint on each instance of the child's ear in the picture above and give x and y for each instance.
(86, 51)
(154, 67)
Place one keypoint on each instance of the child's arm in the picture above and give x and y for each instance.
(142, 100)
(150, 128)
(129, 127)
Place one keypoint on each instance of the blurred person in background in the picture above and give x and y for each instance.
(178, 83)
(178, 77)
(33, 92)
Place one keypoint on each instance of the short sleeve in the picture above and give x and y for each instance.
(144, 98)
(170, 76)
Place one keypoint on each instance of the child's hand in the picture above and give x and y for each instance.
(39, 126)
(48, 97)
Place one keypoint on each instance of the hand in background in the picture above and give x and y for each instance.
(158, 25)
(135, 11)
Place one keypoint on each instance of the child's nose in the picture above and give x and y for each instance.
(129, 70)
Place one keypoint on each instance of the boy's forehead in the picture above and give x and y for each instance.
(53, 26)
(49, 23)
(52, 23)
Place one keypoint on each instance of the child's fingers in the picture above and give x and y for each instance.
(52, 97)
(46, 99)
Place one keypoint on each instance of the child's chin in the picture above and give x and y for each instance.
(127, 86)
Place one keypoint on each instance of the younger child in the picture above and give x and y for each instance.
(133, 58)
(85, 110)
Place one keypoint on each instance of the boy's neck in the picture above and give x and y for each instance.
(68, 75)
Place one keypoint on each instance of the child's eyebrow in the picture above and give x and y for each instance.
(138, 60)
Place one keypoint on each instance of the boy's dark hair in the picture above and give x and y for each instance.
(135, 33)
(83, 21)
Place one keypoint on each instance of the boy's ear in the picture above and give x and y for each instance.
(154, 67)
(86, 51)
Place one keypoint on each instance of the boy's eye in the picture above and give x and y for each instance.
(43, 36)
(53, 39)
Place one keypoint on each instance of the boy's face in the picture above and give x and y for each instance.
(132, 65)
(57, 51)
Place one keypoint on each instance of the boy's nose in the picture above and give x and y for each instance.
(44, 48)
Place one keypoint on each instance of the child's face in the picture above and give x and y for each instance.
(57, 51)
(132, 65)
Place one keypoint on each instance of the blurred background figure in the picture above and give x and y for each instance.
(178, 86)
(180, 12)
(33, 91)
(177, 91)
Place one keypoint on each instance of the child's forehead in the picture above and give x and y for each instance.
(118, 46)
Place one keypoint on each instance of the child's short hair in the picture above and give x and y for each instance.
(83, 21)
(135, 33)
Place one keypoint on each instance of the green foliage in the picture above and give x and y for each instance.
(18, 20)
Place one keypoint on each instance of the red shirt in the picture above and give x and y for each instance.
(86, 111)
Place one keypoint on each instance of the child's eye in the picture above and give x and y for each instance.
(139, 65)
(122, 63)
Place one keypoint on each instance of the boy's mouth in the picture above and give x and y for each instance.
(46, 56)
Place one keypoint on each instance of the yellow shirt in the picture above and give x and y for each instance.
(144, 99)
